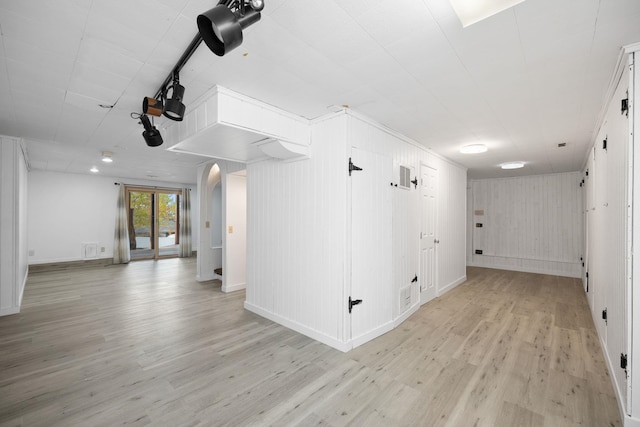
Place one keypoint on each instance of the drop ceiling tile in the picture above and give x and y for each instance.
(96, 83)
(98, 54)
(47, 34)
(128, 41)
(387, 22)
(24, 63)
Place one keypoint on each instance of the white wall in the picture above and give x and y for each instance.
(210, 254)
(530, 223)
(67, 210)
(13, 219)
(299, 250)
(235, 237)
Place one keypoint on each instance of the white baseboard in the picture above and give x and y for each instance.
(404, 316)
(311, 333)
(631, 422)
(233, 288)
(9, 311)
(205, 278)
(526, 270)
(380, 330)
(452, 285)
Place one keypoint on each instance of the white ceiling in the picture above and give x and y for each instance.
(521, 81)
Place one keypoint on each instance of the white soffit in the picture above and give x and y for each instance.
(472, 11)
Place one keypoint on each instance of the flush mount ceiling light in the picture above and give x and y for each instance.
(221, 27)
(94, 169)
(474, 149)
(106, 156)
(151, 134)
(472, 11)
(512, 165)
(173, 107)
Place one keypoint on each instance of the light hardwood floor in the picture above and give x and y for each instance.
(147, 344)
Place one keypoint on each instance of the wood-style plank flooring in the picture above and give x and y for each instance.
(146, 344)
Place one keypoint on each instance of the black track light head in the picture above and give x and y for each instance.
(221, 27)
(151, 134)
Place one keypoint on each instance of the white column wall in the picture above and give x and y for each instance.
(298, 256)
(13, 230)
(296, 225)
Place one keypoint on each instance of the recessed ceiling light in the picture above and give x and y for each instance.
(94, 170)
(106, 156)
(472, 11)
(512, 165)
(474, 149)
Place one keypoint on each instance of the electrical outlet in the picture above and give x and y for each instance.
(231, 229)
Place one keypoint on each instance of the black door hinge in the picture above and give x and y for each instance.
(623, 361)
(415, 181)
(604, 316)
(604, 143)
(353, 167)
(353, 302)
(478, 251)
(415, 279)
(625, 105)
(587, 276)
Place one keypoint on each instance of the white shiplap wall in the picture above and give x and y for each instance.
(296, 228)
(299, 237)
(608, 234)
(13, 234)
(531, 223)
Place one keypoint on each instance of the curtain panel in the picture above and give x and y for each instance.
(185, 224)
(121, 251)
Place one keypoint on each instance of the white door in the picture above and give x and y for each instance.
(371, 266)
(428, 238)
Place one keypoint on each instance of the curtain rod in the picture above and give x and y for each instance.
(150, 186)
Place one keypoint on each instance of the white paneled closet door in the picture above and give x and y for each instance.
(371, 254)
(428, 236)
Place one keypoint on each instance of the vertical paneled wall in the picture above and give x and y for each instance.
(452, 213)
(531, 223)
(297, 228)
(608, 233)
(13, 213)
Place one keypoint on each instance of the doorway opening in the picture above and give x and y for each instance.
(154, 222)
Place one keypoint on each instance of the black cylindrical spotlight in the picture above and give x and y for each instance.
(151, 134)
(173, 107)
(221, 29)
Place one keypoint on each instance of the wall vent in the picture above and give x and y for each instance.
(405, 177)
(89, 250)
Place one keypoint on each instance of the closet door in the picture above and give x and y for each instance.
(371, 268)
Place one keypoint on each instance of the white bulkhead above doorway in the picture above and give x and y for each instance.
(229, 126)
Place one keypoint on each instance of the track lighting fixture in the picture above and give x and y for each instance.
(221, 27)
(173, 107)
(151, 134)
(152, 106)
